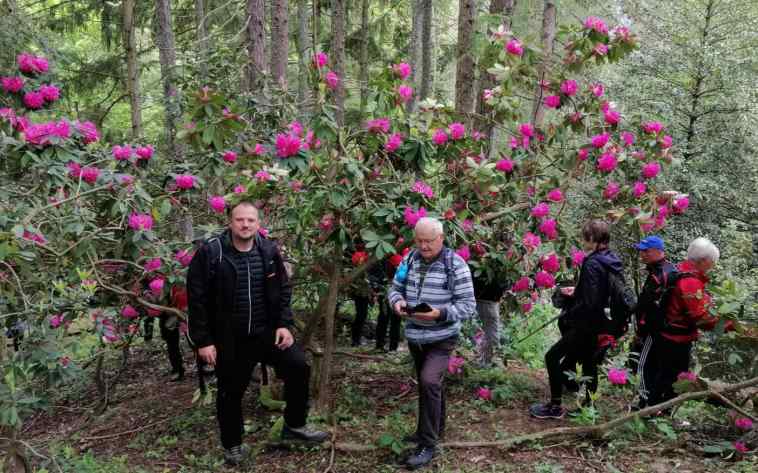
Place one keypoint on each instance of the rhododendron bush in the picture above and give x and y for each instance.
(99, 232)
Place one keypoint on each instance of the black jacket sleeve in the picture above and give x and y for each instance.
(285, 293)
(201, 315)
(588, 303)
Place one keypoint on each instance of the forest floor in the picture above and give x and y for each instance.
(152, 425)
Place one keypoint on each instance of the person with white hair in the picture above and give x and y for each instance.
(686, 312)
(433, 290)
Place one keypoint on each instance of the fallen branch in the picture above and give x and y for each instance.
(734, 406)
(331, 456)
(138, 429)
(360, 356)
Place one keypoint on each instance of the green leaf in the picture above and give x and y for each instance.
(369, 235)
(385, 440)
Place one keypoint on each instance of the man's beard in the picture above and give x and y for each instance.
(243, 238)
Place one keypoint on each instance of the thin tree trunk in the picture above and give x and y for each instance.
(324, 391)
(697, 87)
(279, 41)
(167, 58)
(414, 49)
(338, 57)
(363, 75)
(316, 25)
(256, 65)
(464, 71)
(427, 50)
(303, 93)
(548, 38)
(201, 25)
(132, 67)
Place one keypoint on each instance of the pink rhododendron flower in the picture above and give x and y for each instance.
(740, 447)
(467, 225)
(652, 127)
(743, 423)
(405, 93)
(145, 152)
(402, 70)
(184, 257)
(34, 100)
(152, 264)
(612, 117)
(239, 189)
(456, 130)
(577, 257)
(617, 376)
(88, 131)
(31, 64)
(50, 93)
(550, 263)
(607, 162)
(552, 101)
(488, 94)
(229, 156)
(548, 227)
(583, 154)
(597, 89)
(40, 134)
(156, 285)
(259, 149)
(185, 181)
(601, 49)
(622, 33)
(263, 176)
(514, 47)
(296, 185)
(504, 165)
(569, 87)
(320, 59)
(627, 138)
(651, 169)
(37, 238)
(440, 137)
(56, 320)
(638, 189)
(455, 364)
(90, 174)
(129, 312)
(540, 210)
(544, 280)
(598, 141)
(378, 125)
(412, 217)
(393, 142)
(332, 80)
(464, 252)
(122, 153)
(521, 285)
(420, 187)
(485, 394)
(526, 129)
(687, 376)
(555, 195)
(611, 190)
(217, 203)
(531, 241)
(74, 169)
(681, 204)
(296, 128)
(287, 145)
(666, 142)
(13, 84)
(526, 307)
(326, 224)
(140, 222)
(596, 24)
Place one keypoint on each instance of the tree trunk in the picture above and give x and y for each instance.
(697, 87)
(132, 67)
(279, 41)
(338, 57)
(201, 25)
(167, 58)
(548, 37)
(414, 49)
(427, 50)
(486, 80)
(363, 75)
(316, 25)
(329, 307)
(256, 66)
(464, 71)
(303, 93)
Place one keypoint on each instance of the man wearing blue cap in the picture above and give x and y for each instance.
(650, 310)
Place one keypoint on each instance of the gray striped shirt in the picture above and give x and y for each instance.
(455, 306)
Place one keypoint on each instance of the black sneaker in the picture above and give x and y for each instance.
(303, 434)
(236, 455)
(547, 411)
(421, 457)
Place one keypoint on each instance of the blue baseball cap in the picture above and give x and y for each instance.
(653, 241)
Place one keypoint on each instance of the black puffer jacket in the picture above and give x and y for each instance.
(592, 293)
(211, 299)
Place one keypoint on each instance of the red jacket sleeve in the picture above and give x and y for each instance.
(696, 303)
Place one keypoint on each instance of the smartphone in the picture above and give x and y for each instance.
(421, 308)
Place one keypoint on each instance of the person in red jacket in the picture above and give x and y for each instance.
(686, 313)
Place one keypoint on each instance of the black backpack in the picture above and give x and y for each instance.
(622, 304)
(656, 299)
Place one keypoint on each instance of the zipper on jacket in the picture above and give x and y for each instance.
(250, 299)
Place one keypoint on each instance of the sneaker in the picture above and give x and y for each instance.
(421, 457)
(547, 411)
(236, 455)
(303, 434)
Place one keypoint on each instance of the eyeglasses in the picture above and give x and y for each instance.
(425, 241)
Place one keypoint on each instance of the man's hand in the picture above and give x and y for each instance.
(400, 307)
(208, 354)
(567, 291)
(284, 339)
(433, 315)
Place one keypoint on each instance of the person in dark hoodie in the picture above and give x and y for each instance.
(240, 315)
(583, 321)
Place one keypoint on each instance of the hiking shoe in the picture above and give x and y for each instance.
(303, 434)
(547, 411)
(236, 455)
(421, 457)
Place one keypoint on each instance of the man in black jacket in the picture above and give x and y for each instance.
(239, 315)
(583, 321)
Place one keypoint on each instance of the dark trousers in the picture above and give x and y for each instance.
(171, 337)
(430, 360)
(361, 312)
(387, 317)
(647, 368)
(673, 358)
(234, 376)
(575, 346)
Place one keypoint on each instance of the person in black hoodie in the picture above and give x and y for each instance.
(583, 320)
(239, 315)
